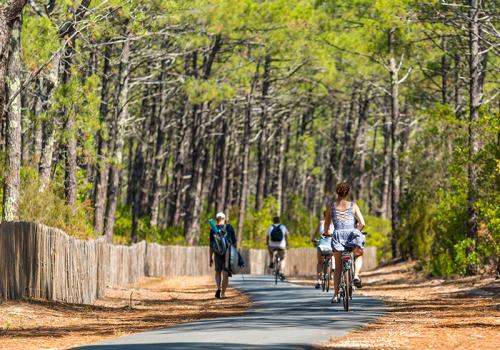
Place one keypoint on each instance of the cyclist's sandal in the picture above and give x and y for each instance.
(217, 294)
(357, 282)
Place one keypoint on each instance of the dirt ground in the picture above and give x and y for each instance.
(153, 303)
(427, 313)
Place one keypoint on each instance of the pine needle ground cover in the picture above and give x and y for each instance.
(152, 303)
(428, 313)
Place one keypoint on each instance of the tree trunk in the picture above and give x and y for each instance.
(331, 173)
(475, 96)
(244, 170)
(8, 16)
(192, 202)
(47, 155)
(395, 147)
(67, 30)
(36, 150)
(444, 75)
(176, 193)
(230, 192)
(221, 166)
(372, 172)
(120, 116)
(385, 201)
(457, 87)
(160, 155)
(49, 128)
(262, 161)
(101, 178)
(347, 154)
(13, 113)
(137, 169)
(359, 145)
(281, 162)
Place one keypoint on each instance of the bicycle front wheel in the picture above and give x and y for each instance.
(328, 276)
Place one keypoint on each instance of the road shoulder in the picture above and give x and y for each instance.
(427, 313)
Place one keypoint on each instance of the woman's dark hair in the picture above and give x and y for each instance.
(343, 189)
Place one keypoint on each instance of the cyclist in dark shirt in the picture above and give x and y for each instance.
(222, 272)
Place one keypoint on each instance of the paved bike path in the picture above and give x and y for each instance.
(286, 316)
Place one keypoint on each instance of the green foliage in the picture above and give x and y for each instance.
(200, 91)
(256, 224)
(300, 222)
(50, 209)
(379, 231)
(44, 43)
(434, 209)
(151, 234)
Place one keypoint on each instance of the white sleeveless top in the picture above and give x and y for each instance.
(322, 227)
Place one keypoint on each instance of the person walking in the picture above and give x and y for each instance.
(218, 256)
(277, 241)
(348, 223)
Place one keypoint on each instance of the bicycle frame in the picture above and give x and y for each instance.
(347, 268)
(277, 265)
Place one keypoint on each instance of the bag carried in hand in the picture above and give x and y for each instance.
(276, 233)
(220, 243)
(236, 262)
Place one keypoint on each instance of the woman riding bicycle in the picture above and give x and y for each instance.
(346, 234)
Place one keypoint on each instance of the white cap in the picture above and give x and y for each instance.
(220, 215)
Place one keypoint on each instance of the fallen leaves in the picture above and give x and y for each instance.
(152, 303)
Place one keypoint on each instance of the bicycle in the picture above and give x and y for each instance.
(346, 277)
(326, 275)
(277, 264)
(346, 286)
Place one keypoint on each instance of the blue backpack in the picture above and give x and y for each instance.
(220, 243)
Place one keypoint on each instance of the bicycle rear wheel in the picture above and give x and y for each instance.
(347, 290)
(276, 270)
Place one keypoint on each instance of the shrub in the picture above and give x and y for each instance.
(50, 209)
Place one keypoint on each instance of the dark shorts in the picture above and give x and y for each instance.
(280, 252)
(220, 262)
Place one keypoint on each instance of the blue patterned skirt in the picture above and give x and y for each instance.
(347, 238)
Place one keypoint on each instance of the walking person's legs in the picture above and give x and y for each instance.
(225, 283)
(219, 267)
(218, 283)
